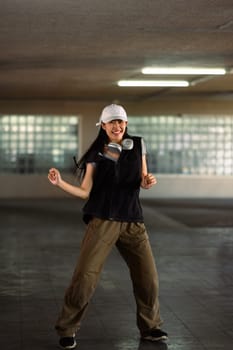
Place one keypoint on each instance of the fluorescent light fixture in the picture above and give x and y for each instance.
(183, 70)
(151, 83)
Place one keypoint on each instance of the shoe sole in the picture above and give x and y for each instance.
(68, 347)
(150, 338)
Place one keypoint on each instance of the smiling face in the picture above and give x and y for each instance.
(115, 130)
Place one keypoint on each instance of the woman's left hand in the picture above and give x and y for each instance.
(148, 181)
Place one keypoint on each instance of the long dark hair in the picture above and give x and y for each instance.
(91, 153)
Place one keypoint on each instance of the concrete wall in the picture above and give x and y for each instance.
(169, 186)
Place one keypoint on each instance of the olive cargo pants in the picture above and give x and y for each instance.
(133, 244)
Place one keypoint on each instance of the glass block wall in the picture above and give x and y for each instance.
(187, 144)
(33, 144)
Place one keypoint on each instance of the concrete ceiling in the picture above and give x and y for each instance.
(79, 49)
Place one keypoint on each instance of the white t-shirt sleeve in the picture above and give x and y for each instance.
(143, 147)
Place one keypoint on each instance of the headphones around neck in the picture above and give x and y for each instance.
(113, 149)
(126, 144)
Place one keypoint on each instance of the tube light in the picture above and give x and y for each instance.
(183, 70)
(151, 83)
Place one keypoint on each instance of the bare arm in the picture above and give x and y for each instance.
(148, 179)
(82, 191)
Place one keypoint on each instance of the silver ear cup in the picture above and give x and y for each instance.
(127, 144)
(114, 147)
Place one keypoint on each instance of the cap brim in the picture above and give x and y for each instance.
(110, 119)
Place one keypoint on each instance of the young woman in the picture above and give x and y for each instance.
(112, 172)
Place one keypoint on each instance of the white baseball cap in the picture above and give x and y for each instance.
(112, 112)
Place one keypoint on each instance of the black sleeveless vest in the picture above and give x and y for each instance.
(116, 187)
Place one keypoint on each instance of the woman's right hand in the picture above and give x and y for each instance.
(54, 176)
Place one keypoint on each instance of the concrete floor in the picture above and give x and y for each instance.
(193, 247)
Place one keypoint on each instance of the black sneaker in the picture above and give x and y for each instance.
(155, 334)
(67, 343)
